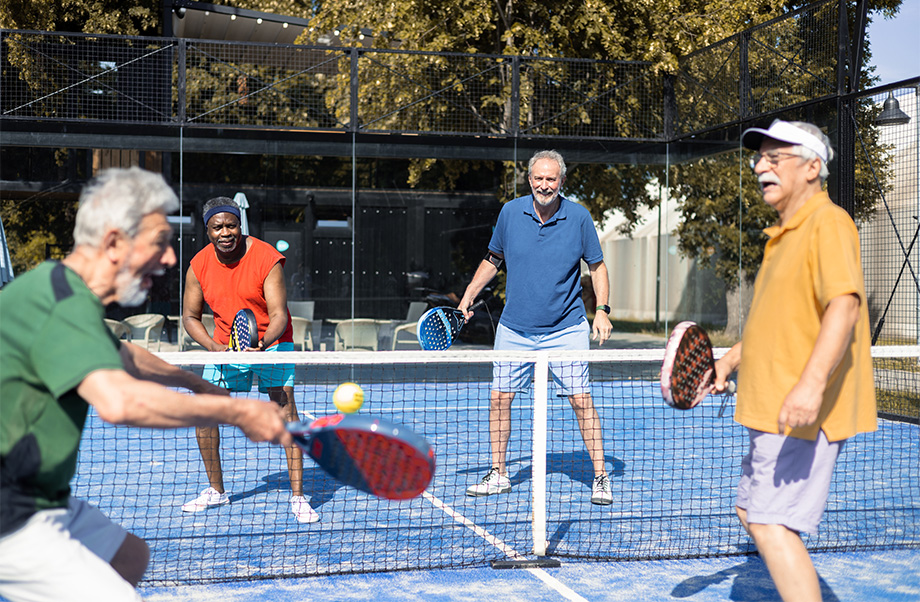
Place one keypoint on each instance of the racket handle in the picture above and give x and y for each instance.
(473, 307)
(479, 303)
(730, 388)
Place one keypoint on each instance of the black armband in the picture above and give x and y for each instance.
(495, 260)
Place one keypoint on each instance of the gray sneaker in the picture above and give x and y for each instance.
(600, 492)
(492, 483)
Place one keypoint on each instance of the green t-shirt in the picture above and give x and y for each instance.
(52, 335)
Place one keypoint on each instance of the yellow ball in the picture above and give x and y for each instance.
(348, 398)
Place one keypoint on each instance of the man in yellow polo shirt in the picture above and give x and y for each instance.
(804, 367)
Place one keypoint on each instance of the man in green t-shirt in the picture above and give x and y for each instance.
(57, 357)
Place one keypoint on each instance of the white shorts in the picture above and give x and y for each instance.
(64, 554)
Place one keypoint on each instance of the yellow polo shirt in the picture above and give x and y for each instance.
(809, 261)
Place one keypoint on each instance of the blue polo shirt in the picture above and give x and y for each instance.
(543, 287)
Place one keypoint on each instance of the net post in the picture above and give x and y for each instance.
(538, 482)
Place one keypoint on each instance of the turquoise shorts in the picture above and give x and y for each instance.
(570, 378)
(238, 377)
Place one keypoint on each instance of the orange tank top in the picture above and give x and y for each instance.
(228, 288)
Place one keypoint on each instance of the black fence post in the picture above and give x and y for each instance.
(181, 81)
(353, 110)
(846, 126)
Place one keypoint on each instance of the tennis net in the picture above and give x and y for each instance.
(672, 473)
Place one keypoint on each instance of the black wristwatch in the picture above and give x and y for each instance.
(604, 308)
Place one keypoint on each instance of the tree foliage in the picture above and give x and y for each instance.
(657, 31)
(137, 17)
(654, 31)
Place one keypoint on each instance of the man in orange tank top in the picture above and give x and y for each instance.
(232, 273)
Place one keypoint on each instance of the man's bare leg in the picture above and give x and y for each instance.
(500, 427)
(284, 397)
(590, 424)
(209, 445)
(787, 559)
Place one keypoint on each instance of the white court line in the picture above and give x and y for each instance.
(540, 574)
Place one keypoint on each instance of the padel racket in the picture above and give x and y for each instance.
(371, 454)
(689, 369)
(438, 327)
(243, 329)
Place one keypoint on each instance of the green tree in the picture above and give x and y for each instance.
(137, 17)
(645, 31)
(723, 214)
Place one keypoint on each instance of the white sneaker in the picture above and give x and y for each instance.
(209, 497)
(600, 492)
(492, 483)
(302, 510)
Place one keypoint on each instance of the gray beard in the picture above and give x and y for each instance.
(547, 203)
(128, 289)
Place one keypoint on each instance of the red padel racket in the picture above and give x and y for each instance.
(243, 329)
(371, 454)
(438, 327)
(689, 369)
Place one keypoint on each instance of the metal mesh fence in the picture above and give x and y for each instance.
(776, 65)
(52, 77)
(891, 258)
(86, 78)
(261, 85)
(785, 62)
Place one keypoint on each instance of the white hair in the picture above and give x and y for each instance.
(120, 198)
(807, 154)
(547, 154)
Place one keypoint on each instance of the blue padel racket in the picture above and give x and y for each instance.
(689, 369)
(439, 326)
(374, 455)
(243, 329)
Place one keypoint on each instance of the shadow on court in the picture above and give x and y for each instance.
(318, 487)
(576, 465)
(751, 583)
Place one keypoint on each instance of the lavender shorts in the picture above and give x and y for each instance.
(785, 480)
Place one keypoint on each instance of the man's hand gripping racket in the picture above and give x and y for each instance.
(688, 373)
(374, 455)
(438, 327)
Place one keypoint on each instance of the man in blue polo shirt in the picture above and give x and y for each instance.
(542, 239)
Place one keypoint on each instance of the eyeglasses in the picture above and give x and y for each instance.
(773, 158)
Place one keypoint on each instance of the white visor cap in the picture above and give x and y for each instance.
(783, 131)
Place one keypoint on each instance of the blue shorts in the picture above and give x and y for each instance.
(786, 481)
(238, 377)
(571, 378)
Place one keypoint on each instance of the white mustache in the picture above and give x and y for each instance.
(767, 178)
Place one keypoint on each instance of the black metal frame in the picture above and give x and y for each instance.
(669, 140)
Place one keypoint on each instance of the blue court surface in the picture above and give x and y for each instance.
(673, 476)
(670, 533)
(892, 576)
